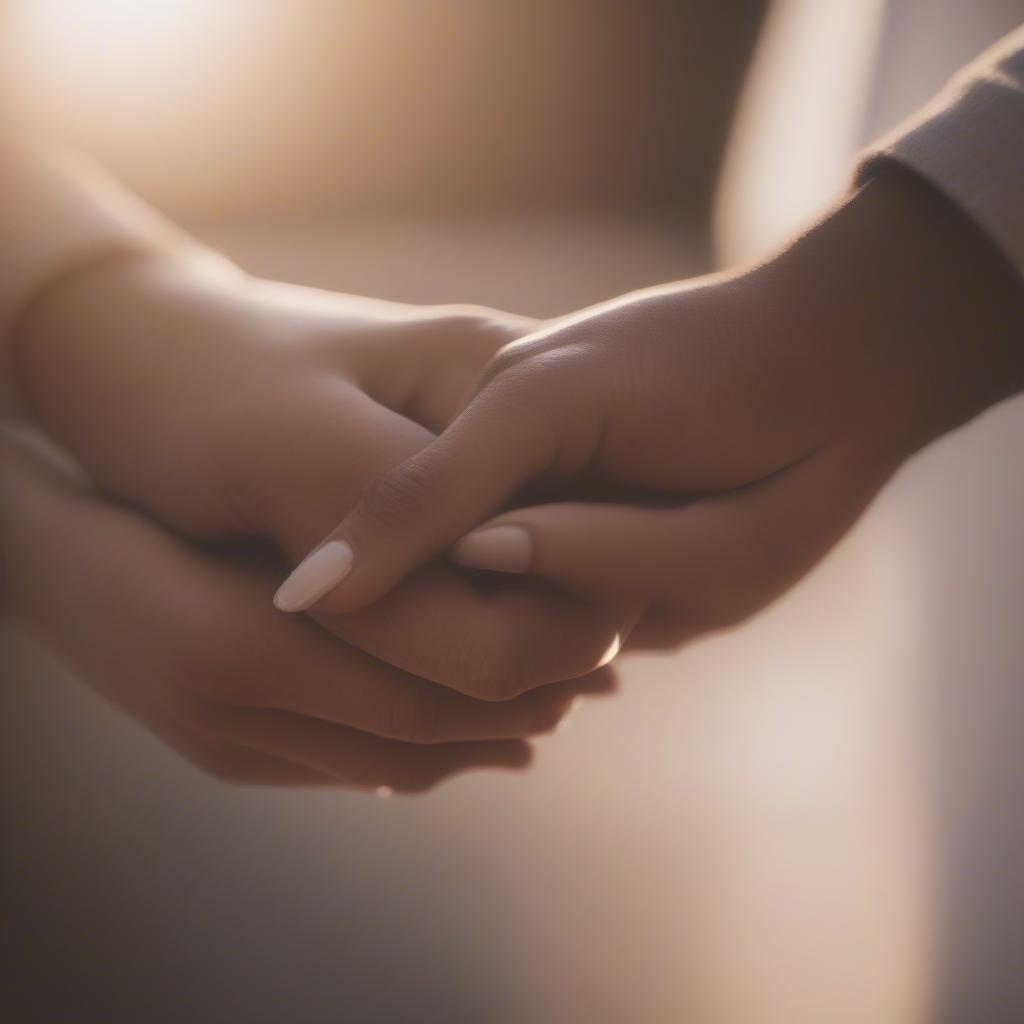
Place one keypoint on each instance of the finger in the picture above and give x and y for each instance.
(181, 724)
(239, 765)
(357, 759)
(704, 565)
(313, 674)
(442, 353)
(258, 658)
(391, 704)
(423, 504)
(491, 645)
(609, 552)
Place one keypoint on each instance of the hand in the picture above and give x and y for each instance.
(229, 407)
(188, 642)
(740, 422)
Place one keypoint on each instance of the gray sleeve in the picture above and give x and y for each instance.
(969, 143)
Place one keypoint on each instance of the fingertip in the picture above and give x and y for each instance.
(500, 755)
(602, 682)
(513, 756)
(504, 548)
(315, 577)
(571, 712)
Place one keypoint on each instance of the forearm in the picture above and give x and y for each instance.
(135, 366)
(923, 307)
(59, 218)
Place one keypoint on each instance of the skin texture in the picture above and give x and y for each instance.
(234, 408)
(733, 427)
(186, 641)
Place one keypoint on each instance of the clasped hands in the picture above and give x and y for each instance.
(517, 500)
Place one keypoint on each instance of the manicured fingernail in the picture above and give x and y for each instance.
(314, 577)
(499, 548)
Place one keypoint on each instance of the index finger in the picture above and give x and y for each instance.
(425, 503)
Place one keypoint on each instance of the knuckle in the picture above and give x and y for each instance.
(394, 497)
(511, 406)
(524, 365)
(469, 318)
(479, 331)
(521, 369)
(506, 361)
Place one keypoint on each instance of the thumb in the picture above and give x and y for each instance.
(604, 551)
(706, 564)
(667, 574)
(421, 505)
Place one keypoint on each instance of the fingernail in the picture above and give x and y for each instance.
(499, 548)
(314, 577)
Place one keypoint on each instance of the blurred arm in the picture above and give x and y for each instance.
(969, 143)
(60, 215)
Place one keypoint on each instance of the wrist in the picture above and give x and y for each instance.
(927, 313)
(62, 217)
(87, 313)
(132, 366)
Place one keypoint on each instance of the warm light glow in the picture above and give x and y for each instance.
(116, 56)
(170, 94)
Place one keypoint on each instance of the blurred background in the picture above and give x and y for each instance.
(812, 818)
(425, 132)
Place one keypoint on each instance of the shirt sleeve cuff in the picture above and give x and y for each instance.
(969, 144)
